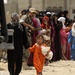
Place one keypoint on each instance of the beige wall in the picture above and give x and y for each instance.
(19, 5)
(37, 4)
(65, 4)
(22, 4)
(9, 9)
(53, 3)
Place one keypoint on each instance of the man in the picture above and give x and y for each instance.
(31, 24)
(19, 39)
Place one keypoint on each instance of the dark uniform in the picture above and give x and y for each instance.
(15, 55)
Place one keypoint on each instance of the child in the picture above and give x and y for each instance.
(38, 58)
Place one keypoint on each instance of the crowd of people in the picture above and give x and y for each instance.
(34, 29)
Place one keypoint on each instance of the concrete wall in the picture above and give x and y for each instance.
(41, 4)
(22, 4)
(19, 5)
(53, 3)
(37, 4)
(9, 9)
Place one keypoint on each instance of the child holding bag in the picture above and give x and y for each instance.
(39, 57)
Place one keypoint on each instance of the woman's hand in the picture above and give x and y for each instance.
(32, 28)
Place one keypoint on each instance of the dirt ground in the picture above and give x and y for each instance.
(54, 68)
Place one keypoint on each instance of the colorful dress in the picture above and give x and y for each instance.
(63, 37)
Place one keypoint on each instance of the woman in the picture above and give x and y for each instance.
(71, 41)
(58, 26)
(63, 37)
(46, 30)
(68, 29)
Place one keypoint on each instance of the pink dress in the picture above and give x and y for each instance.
(63, 38)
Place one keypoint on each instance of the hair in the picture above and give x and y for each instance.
(69, 22)
(23, 12)
(65, 13)
(14, 14)
(60, 14)
(40, 36)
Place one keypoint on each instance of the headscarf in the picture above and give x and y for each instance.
(43, 25)
(14, 15)
(62, 19)
(73, 30)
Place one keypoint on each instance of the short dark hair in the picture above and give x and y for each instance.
(24, 11)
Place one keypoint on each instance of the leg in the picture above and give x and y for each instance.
(64, 51)
(18, 62)
(40, 73)
(46, 62)
(73, 54)
(10, 61)
(18, 67)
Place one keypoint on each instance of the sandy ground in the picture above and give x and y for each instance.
(55, 68)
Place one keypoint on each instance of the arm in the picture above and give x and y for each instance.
(32, 49)
(27, 25)
(25, 39)
(69, 37)
(63, 33)
(22, 21)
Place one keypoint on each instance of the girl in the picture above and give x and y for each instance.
(38, 58)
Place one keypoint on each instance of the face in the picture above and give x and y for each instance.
(45, 21)
(32, 14)
(67, 15)
(40, 40)
(56, 18)
(15, 18)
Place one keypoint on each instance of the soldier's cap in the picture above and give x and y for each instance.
(32, 10)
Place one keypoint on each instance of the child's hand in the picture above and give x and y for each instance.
(28, 49)
(47, 52)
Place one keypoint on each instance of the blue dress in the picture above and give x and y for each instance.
(71, 40)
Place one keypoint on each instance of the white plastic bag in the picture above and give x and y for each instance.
(49, 57)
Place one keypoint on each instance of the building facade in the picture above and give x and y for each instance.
(53, 5)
